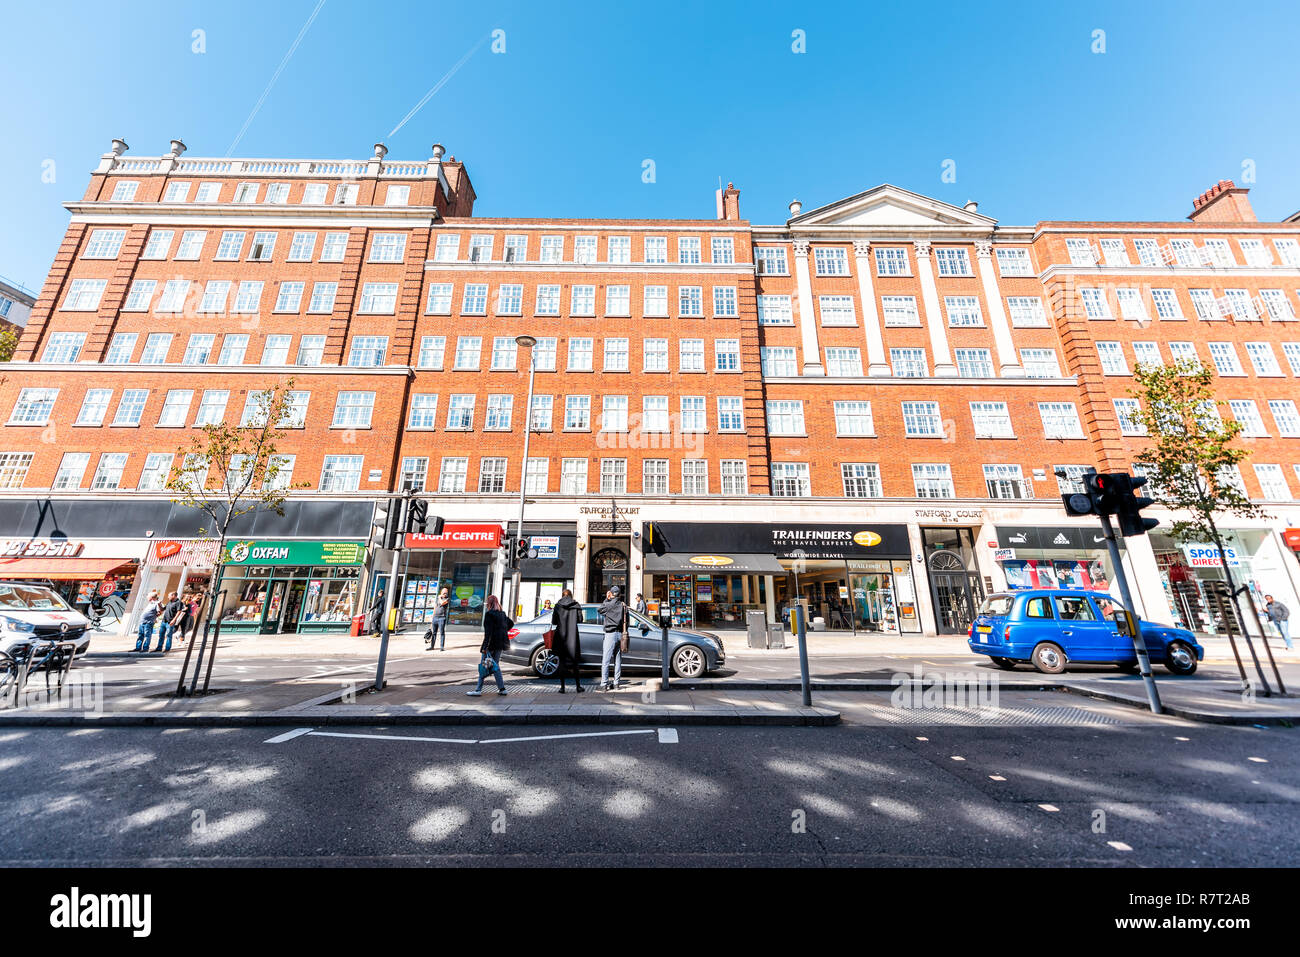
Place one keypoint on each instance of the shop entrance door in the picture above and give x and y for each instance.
(292, 606)
(274, 607)
(956, 592)
(608, 568)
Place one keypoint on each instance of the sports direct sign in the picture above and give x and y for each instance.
(468, 537)
(1201, 555)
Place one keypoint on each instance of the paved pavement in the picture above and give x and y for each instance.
(1107, 786)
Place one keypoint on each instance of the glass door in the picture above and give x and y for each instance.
(273, 607)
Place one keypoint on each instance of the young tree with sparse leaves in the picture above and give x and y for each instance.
(1192, 463)
(8, 343)
(230, 470)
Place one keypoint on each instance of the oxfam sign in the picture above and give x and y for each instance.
(295, 553)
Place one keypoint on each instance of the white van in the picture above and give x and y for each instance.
(30, 612)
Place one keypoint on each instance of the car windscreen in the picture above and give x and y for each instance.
(30, 598)
(997, 606)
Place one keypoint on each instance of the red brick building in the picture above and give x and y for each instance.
(865, 406)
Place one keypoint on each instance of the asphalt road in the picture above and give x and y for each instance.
(1168, 792)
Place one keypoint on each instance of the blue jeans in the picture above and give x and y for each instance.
(143, 635)
(438, 627)
(1283, 629)
(165, 632)
(495, 670)
(612, 648)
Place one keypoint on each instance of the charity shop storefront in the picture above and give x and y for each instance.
(850, 577)
(273, 586)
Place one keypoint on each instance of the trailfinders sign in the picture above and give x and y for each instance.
(295, 553)
(787, 541)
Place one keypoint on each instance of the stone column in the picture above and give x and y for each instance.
(935, 321)
(877, 364)
(812, 355)
(1008, 361)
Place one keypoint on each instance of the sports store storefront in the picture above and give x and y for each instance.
(855, 578)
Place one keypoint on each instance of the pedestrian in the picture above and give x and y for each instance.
(170, 617)
(640, 604)
(438, 624)
(376, 613)
(145, 632)
(496, 635)
(1278, 613)
(198, 602)
(613, 617)
(565, 640)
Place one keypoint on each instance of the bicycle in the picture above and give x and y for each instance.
(48, 655)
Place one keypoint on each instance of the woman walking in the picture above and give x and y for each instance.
(496, 635)
(565, 643)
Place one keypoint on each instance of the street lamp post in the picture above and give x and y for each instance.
(526, 343)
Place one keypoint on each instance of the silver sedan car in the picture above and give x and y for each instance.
(691, 653)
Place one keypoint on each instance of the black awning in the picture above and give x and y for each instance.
(714, 563)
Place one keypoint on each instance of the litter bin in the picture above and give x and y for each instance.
(756, 626)
(776, 635)
(358, 622)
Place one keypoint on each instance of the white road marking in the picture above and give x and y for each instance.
(1119, 845)
(1258, 760)
(667, 735)
(391, 737)
(996, 777)
(555, 737)
(1049, 807)
(288, 735)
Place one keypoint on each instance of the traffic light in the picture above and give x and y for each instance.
(417, 516)
(1131, 521)
(654, 537)
(521, 550)
(1100, 495)
(435, 525)
(508, 547)
(384, 527)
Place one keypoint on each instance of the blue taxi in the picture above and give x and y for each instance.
(1052, 627)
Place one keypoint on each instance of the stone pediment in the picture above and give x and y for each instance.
(887, 205)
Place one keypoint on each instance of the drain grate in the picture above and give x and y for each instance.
(987, 716)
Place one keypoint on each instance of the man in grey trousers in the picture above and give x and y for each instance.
(613, 616)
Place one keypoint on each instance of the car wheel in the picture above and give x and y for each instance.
(1006, 664)
(1049, 658)
(545, 662)
(1180, 658)
(689, 661)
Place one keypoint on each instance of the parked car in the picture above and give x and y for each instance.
(29, 611)
(692, 654)
(1052, 627)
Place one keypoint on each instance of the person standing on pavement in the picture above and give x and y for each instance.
(613, 617)
(565, 643)
(374, 617)
(145, 633)
(1279, 614)
(640, 604)
(171, 616)
(496, 635)
(438, 626)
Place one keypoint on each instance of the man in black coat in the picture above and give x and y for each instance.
(566, 644)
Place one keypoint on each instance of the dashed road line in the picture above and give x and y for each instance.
(288, 735)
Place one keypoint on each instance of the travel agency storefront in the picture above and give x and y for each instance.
(291, 587)
(854, 577)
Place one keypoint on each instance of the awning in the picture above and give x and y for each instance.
(713, 564)
(63, 569)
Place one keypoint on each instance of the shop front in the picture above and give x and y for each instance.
(1054, 557)
(290, 587)
(1197, 588)
(854, 578)
(177, 565)
(77, 571)
(460, 559)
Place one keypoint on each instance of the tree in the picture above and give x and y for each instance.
(8, 343)
(228, 471)
(1192, 463)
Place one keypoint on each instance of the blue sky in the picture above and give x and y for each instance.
(1039, 126)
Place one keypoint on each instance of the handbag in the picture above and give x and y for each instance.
(548, 638)
(623, 641)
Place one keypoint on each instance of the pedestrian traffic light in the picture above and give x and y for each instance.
(417, 516)
(384, 526)
(1131, 520)
(1099, 497)
(521, 550)
(654, 537)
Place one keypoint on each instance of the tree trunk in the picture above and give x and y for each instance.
(1236, 607)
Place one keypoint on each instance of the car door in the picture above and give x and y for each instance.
(591, 635)
(1109, 610)
(644, 641)
(1083, 637)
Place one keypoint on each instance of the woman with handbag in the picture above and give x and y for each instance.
(496, 635)
(564, 640)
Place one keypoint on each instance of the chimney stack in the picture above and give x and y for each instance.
(1224, 202)
(729, 202)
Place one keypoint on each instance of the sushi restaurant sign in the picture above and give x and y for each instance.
(295, 553)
